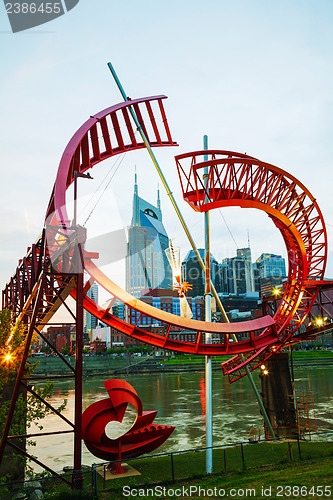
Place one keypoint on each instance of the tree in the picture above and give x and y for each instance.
(29, 409)
(142, 348)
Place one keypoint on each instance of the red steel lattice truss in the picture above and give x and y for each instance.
(240, 180)
(34, 294)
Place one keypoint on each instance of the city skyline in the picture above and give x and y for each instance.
(278, 113)
(147, 238)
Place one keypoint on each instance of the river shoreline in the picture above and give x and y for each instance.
(52, 366)
(179, 398)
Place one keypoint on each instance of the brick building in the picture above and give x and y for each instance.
(59, 336)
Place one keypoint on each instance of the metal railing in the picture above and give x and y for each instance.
(96, 475)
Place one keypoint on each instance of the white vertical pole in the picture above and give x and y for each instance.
(208, 336)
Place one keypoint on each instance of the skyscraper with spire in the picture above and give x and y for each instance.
(146, 263)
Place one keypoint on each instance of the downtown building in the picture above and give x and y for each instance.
(89, 321)
(113, 338)
(271, 269)
(147, 266)
(195, 276)
(236, 276)
(168, 301)
(60, 336)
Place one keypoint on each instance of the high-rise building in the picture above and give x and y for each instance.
(271, 265)
(256, 276)
(147, 265)
(115, 307)
(225, 279)
(193, 273)
(236, 273)
(272, 269)
(244, 254)
(89, 321)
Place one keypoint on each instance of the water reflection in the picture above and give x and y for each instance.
(115, 429)
(180, 401)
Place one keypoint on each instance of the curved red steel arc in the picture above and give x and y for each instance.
(250, 183)
(253, 328)
(92, 143)
(86, 149)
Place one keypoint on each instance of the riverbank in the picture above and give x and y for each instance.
(293, 480)
(260, 470)
(108, 365)
(179, 398)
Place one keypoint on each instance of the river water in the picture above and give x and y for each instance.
(179, 399)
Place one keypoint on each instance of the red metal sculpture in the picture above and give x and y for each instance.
(143, 437)
(53, 268)
(90, 145)
(233, 179)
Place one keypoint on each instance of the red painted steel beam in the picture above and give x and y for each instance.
(77, 156)
(224, 347)
(165, 317)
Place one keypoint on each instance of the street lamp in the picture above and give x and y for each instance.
(8, 358)
(76, 175)
(264, 370)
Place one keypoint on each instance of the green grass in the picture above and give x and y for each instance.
(260, 460)
(297, 480)
(196, 359)
(312, 354)
(266, 465)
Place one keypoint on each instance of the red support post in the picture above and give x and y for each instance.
(77, 478)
